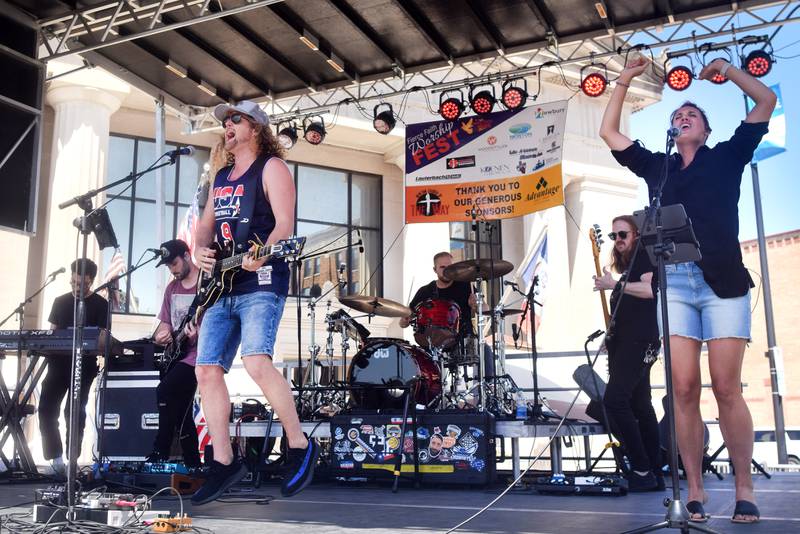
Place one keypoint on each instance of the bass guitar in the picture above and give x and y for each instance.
(596, 237)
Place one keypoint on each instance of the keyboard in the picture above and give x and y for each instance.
(58, 342)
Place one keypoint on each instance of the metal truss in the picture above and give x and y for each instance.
(562, 60)
(101, 23)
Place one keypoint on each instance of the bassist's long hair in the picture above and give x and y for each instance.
(621, 262)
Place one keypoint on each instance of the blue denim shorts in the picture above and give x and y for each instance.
(696, 312)
(251, 319)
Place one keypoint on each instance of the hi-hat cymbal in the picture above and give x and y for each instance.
(471, 270)
(375, 306)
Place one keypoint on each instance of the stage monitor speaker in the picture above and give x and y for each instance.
(21, 87)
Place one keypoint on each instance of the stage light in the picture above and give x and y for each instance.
(758, 63)
(482, 102)
(718, 79)
(452, 108)
(679, 78)
(287, 135)
(384, 121)
(314, 130)
(514, 97)
(594, 84)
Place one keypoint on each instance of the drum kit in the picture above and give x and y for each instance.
(435, 372)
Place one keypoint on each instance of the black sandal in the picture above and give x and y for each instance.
(745, 508)
(696, 508)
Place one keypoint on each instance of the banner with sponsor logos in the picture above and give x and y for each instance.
(502, 165)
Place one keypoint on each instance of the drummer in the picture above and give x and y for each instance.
(446, 289)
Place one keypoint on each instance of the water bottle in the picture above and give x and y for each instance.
(522, 405)
(237, 407)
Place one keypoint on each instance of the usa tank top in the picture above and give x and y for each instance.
(228, 200)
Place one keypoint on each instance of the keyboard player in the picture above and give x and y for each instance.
(56, 382)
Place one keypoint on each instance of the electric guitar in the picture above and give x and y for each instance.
(212, 286)
(176, 349)
(596, 237)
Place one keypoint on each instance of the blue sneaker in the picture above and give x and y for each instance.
(300, 464)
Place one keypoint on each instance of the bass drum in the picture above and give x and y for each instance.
(392, 362)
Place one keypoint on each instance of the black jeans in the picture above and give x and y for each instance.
(628, 403)
(175, 395)
(54, 388)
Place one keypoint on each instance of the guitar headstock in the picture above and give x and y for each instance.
(596, 236)
(288, 249)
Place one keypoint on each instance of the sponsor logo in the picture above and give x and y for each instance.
(461, 162)
(542, 184)
(495, 169)
(540, 113)
(539, 164)
(522, 167)
(428, 204)
(553, 147)
(519, 129)
(492, 140)
(551, 129)
(542, 190)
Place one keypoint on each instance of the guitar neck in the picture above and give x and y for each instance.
(606, 316)
(234, 262)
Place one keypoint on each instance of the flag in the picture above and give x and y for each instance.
(536, 268)
(203, 437)
(774, 142)
(188, 226)
(116, 267)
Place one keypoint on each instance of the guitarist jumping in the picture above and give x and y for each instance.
(177, 331)
(252, 204)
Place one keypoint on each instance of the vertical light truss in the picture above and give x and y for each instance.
(571, 54)
(92, 28)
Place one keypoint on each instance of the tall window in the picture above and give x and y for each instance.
(484, 242)
(334, 210)
(133, 215)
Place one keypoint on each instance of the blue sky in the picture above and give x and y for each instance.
(724, 104)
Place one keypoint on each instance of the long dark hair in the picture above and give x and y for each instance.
(620, 262)
(267, 143)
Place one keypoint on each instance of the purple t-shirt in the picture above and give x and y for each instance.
(177, 300)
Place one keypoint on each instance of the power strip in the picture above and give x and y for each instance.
(44, 513)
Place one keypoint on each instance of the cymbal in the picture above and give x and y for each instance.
(375, 306)
(471, 270)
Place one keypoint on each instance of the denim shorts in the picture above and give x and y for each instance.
(696, 312)
(251, 319)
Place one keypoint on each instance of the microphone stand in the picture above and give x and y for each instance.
(536, 408)
(677, 515)
(29, 466)
(83, 224)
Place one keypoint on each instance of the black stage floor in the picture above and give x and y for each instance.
(329, 507)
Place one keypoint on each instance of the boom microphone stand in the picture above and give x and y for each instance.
(677, 515)
(530, 302)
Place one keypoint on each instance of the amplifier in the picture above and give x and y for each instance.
(130, 415)
(452, 446)
(611, 485)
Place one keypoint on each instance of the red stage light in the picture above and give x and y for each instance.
(451, 109)
(482, 103)
(594, 84)
(758, 63)
(679, 78)
(718, 79)
(514, 97)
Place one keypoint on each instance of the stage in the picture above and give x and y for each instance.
(332, 507)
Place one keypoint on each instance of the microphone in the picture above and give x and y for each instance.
(56, 272)
(342, 267)
(340, 275)
(360, 243)
(673, 132)
(163, 252)
(510, 283)
(183, 151)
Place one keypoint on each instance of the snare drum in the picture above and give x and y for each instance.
(437, 322)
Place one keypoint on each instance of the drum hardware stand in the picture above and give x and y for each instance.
(679, 231)
(313, 348)
(13, 409)
(535, 408)
(481, 349)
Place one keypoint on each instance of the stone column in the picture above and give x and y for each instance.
(79, 152)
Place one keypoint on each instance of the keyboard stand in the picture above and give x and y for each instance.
(13, 411)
